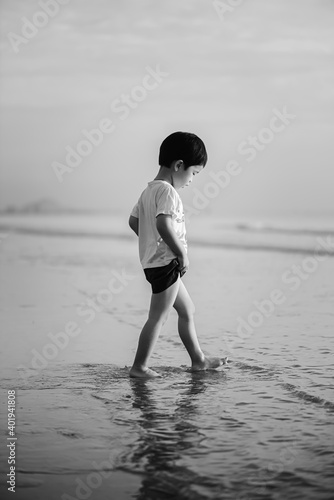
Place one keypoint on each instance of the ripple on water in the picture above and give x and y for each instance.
(239, 432)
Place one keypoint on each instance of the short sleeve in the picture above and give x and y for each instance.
(166, 202)
(135, 210)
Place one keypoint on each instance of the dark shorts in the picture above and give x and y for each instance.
(162, 277)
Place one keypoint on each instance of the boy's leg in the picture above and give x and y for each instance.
(185, 309)
(161, 304)
(187, 331)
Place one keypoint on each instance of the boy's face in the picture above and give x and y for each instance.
(183, 177)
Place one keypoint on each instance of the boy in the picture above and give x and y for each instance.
(158, 220)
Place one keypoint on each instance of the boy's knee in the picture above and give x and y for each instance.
(188, 312)
(164, 318)
(159, 318)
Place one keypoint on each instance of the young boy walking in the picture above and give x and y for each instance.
(158, 220)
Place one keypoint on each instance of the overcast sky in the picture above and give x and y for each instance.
(221, 76)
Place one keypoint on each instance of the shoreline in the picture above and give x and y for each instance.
(315, 243)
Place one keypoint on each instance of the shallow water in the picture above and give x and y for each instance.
(242, 432)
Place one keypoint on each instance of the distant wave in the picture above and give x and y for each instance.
(238, 245)
(263, 247)
(263, 228)
(69, 233)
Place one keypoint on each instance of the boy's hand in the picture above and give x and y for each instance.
(183, 264)
(168, 234)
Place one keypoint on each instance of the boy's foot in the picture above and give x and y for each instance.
(209, 364)
(143, 373)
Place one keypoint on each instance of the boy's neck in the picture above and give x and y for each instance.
(164, 174)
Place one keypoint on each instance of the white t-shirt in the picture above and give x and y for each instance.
(159, 197)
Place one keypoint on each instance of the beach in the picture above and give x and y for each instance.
(213, 123)
(73, 301)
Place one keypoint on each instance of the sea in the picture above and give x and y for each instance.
(261, 427)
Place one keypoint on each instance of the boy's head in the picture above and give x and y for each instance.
(184, 146)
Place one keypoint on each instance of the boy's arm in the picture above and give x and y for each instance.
(134, 223)
(168, 234)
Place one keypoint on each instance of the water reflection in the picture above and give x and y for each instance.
(167, 435)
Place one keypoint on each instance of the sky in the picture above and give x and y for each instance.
(141, 69)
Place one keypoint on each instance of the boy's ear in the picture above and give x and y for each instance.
(178, 164)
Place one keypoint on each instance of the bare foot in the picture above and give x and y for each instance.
(143, 373)
(209, 364)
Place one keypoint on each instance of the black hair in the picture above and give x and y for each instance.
(183, 146)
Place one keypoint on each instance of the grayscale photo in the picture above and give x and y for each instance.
(167, 249)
